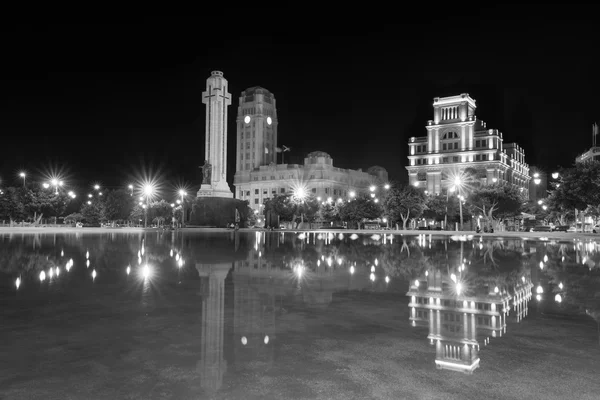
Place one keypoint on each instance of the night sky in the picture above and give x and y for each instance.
(108, 103)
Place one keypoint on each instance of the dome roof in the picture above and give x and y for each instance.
(255, 90)
(375, 169)
(318, 154)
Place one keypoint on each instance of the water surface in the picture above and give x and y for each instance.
(312, 315)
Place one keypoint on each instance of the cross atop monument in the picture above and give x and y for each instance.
(216, 99)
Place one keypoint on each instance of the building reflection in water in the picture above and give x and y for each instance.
(463, 315)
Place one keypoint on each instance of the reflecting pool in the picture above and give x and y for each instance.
(297, 315)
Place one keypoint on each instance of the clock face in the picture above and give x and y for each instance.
(269, 120)
(247, 119)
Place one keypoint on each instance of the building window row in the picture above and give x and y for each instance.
(422, 148)
(481, 143)
(446, 160)
(450, 146)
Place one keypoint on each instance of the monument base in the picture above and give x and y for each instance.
(218, 191)
(218, 212)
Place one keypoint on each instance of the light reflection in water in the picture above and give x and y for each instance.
(404, 261)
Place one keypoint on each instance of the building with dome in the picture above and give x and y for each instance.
(258, 176)
(317, 177)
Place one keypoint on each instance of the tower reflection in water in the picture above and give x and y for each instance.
(462, 318)
(251, 286)
(212, 364)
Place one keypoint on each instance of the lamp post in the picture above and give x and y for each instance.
(148, 190)
(182, 193)
(460, 200)
(130, 190)
(22, 175)
(56, 183)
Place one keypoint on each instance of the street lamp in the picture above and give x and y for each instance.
(555, 175)
(460, 200)
(148, 190)
(22, 175)
(56, 183)
(182, 193)
(130, 190)
(97, 187)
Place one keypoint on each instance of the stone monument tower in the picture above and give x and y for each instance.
(216, 98)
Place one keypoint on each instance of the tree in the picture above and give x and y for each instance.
(359, 209)
(404, 203)
(73, 218)
(281, 205)
(328, 212)
(439, 206)
(160, 211)
(118, 204)
(93, 213)
(578, 188)
(137, 214)
(306, 209)
(12, 204)
(503, 199)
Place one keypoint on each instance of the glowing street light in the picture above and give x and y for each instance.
(130, 187)
(372, 188)
(352, 194)
(300, 193)
(148, 191)
(558, 298)
(22, 174)
(97, 187)
(53, 182)
(182, 193)
(386, 186)
(555, 175)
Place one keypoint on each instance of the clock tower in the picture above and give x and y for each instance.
(256, 129)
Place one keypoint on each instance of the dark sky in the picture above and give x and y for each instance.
(110, 102)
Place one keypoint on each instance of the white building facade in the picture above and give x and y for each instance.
(317, 177)
(457, 141)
